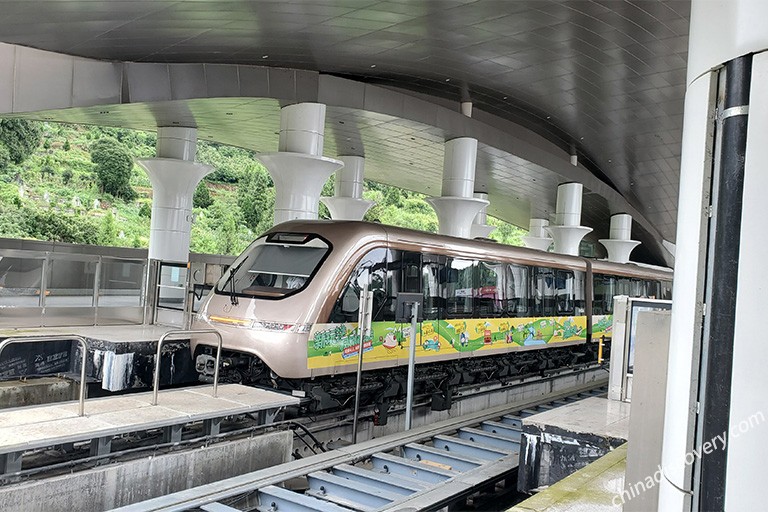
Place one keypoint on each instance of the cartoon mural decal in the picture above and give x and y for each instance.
(338, 344)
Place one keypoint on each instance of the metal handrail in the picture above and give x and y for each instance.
(164, 337)
(63, 337)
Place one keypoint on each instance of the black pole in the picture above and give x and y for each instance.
(724, 268)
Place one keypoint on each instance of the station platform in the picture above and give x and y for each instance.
(30, 428)
(595, 488)
(120, 356)
(558, 442)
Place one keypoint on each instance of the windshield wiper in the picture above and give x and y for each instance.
(231, 282)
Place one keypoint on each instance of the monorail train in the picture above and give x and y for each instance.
(288, 307)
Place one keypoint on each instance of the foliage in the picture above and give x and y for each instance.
(114, 167)
(20, 137)
(202, 197)
(256, 199)
(5, 157)
(239, 207)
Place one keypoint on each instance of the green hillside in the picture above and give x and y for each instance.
(74, 183)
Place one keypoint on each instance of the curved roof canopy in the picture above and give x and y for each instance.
(601, 79)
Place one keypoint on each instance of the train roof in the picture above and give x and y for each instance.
(346, 234)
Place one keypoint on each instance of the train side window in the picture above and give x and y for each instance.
(459, 288)
(605, 289)
(411, 273)
(490, 291)
(666, 290)
(433, 267)
(544, 292)
(517, 295)
(371, 271)
(579, 293)
(564, 292)
(623, 287)
(637, 288)
(652, 288)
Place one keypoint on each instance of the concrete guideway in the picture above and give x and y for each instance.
(468, 461)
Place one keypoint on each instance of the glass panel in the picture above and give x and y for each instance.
(517, 295)
(434, 302)
(394, 283)
(459, 288)
(544, 296)
(171, 290)
(20, 280)
(276, 266)
(70, 283)
(490, 292)
(120, 283)
(369, 271)
(564, 292)
(605, 289)
(637, 288)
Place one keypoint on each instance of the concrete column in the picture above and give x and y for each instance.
(538, 237)
(298, 169)
(348, 202)
(567, 233)
(480, 227)
(619, 245)
(174, 176)
(714, 374)
(457, 207)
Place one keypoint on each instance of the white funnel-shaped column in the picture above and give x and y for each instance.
(567, 233)
(620, 245)
(480, 227)
(348, 202)
(457, 207)
(299, 170)
(174, 176)
(537, 237)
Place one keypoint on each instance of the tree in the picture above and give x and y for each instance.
(114, 167)
(5, 157)
(202, 197)
(20, 137)
(66, 176)
(107, 230)
(255, 197)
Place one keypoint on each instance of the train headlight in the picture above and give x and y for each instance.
(280, 327)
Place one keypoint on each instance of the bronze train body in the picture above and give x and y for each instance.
(288, 306)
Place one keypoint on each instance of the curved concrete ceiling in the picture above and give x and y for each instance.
(603, 79)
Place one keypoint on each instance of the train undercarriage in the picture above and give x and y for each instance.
(438, 382)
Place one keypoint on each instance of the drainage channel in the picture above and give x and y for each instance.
(426, 468)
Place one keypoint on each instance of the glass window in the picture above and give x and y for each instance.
(623, 286)
(371, 271)
(565, 292)
(544, 292)
(653, 289)
(20, 280)
(459, 288)
(517, 294)
(605, 289)
(490, 290)
(433, 268)
(637, 288)
(70, 283)
(274, 266)
(120, 283)
(666, 290)
(172, 287)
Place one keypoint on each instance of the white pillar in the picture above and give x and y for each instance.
(538, 237)
(480, 227)
(457, 207)
(567, 233)
(620, 245)
(348, 202)
(720, 31)
(298, 169)
(174, 176)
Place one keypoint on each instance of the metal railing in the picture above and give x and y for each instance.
(181, 333)
(62, 337)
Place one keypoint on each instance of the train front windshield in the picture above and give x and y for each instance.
(275, 266)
